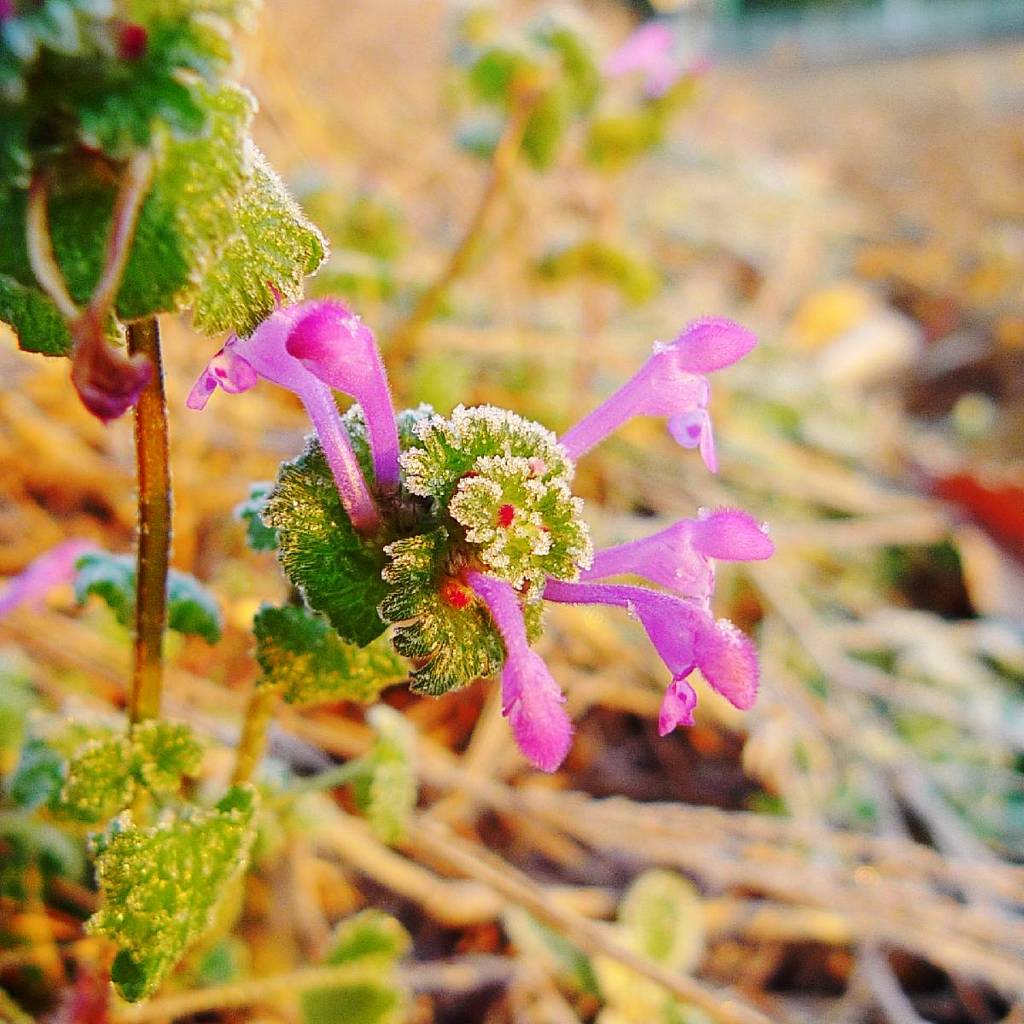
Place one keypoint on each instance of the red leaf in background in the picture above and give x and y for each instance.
(999, 508)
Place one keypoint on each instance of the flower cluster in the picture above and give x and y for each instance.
(468, 522)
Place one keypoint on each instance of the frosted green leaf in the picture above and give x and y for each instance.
(379, 941)
(388, 789)
(528, 526)
(446, 448)
(272, 248)
(301, 654)
(634, 278)
(190, 607)
(160, 886)
(99, 782)
(162, 753)
(260, 536)
(439, 620)
(336, 570)
(456, 644)
(35, 320)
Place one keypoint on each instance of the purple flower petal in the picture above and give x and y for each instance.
(728, 661)
(731, 535)
(535, 707)
(531, 699)
(648, 50)
(683, 633)
(336, 346)
(49, 570)
(676, 706)
(711, 343)
(238, 365)
(672, 384)
(680, 556)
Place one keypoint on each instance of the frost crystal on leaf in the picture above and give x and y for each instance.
(161, 886)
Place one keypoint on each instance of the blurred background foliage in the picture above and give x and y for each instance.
(850, 850)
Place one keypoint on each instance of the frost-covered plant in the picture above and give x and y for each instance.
(455, 530)
(419, 546)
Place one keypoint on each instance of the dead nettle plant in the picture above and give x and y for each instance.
(419, 547)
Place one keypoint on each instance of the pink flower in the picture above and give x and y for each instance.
(335, 345)
(242, 361)
(681, 557)
(672, 383)
(651, 51)
(676, 706)
(684, 634)
(51, 569)
(531, 699)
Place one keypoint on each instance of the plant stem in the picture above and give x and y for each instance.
(154, 539)
(401, 342)
(253, 741)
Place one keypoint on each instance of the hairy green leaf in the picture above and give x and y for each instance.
(39, 775)
(337, 571)
(301, 654)
(191, 609)
(272, 248)
(98, 782)
(161, 886)
(35, 320)
(163, 753)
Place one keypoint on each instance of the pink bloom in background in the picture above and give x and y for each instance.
(51, 569)
(650, 50)
(681, 557)
(672, 383)
(242, 361)
(530, 698)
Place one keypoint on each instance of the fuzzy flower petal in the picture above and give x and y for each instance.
(241, 361)
(337, 347)
(680, 556)
(531, 699)
(684, 634)
(676, 706)
(672, 383)
(51, 569)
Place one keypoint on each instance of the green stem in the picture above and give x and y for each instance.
(399, 346)
(253, 741)
(154, 531)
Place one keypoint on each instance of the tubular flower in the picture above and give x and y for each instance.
(681, 557)
(672, 383)
(530, 698)
(685, 635)
(51, 569)
(242, 361)
(480, 526)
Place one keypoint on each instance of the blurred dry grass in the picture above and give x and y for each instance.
(778, 184)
